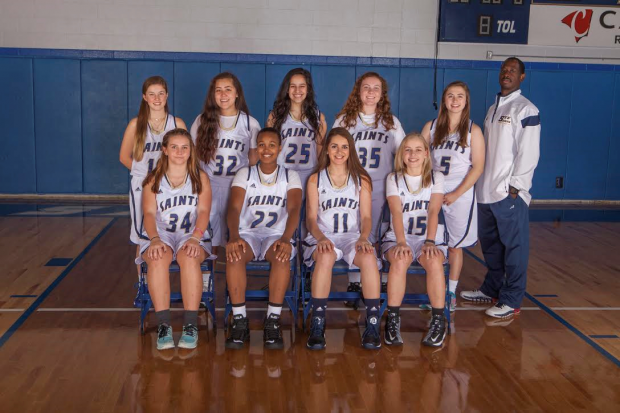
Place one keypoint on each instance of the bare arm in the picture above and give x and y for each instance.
(365, 210)
(426, 132)
(204, 203)
(157, 248)
(235, 204)
(312, 208)
(320, 134)
(434, 207)
(477, 166)
(253, 156)
(180, 123)
(293, 207)
(397, 218)
(126, 152)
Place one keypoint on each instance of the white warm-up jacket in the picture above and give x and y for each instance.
(512, 137)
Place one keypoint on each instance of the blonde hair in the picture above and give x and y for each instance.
(399, 163)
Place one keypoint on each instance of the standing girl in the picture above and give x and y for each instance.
(338, 219)
(263, 214)
(176, 204)
(415, 195)
(141, 146)
(297, 118)
(377, 133)
(225, 137)
(457, 148)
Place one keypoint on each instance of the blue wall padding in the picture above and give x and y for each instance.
(65, 117)
(589, 135)
(104, 96)
(191, 82)
(17, 166)
(58, 125)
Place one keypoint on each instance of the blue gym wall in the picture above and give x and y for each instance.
(65, 111)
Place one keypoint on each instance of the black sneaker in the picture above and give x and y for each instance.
(392, 330)
(436, 332)
(353, 287)
(272, 335)
(239, 332)
(371, 339)
(316, 341)
(384, 288)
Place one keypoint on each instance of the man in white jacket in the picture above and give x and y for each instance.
(512, 136)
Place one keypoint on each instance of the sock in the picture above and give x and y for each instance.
(355, 277)
(319, 306)
(190, 317)
(163, 316)
(452, 285)
(436, 311)
(393, 310)
(273, 308)
(372, 307)
(239, 309)
(384, 277)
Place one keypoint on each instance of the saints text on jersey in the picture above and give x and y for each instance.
(178, 200)
(339, 203)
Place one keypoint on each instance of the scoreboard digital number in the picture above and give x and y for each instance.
(484, 21)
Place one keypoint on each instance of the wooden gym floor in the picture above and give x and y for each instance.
(70, 341)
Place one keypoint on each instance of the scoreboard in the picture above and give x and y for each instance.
(484, 21)
(506, 21)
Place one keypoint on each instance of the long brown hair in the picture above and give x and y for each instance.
(442, 128)
(142, 123)
(351, 109)
(206, 139)
(309, 107)
(161, 168)
(399, 163)
(354, 167)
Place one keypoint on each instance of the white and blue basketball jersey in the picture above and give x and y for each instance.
(451, 159)
(233, 147)
(264, 207)
(176, 208)
(375, 146)
(298, 151)
(152, 150)
(339, 209)
(415, 202)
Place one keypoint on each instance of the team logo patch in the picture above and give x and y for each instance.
(402, 193)
(253, 186)
(579, 21)
(323, 191)
(505, 120)
(138, 189)
(160, 192)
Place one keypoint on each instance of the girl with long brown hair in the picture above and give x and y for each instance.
(225, 137)
(176, 205)
(377, 133)
(457, 149)
(414, 195)
(141, 146)
(338, 218)
(297, 118)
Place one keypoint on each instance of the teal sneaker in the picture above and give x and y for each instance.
(452, 302)
(164, 337)
(427, 307)
(189, 338)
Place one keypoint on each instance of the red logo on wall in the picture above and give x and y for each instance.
(579, 21)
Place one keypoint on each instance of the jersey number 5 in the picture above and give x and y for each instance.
(445, 164)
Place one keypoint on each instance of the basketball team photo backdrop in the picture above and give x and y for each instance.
(74, 73)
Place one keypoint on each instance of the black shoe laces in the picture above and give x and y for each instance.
(316, 328)
(190, 330)
(354, 287)
(392, 325)
(272, 329)
(435, 325)
(162, 331)
(238, 328)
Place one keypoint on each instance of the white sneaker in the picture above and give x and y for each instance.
(477, 296)
(501, 311)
